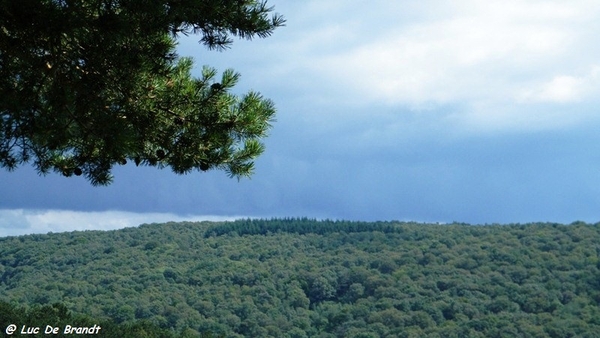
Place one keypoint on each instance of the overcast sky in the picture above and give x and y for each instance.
(432, 111)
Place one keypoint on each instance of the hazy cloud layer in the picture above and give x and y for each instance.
(14, 222)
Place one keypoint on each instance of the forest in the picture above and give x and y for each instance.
(301, 277)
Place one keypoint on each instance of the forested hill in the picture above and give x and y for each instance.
(307, 278)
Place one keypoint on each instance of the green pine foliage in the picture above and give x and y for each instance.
(299, 226)
(87, 85)
(308, 278)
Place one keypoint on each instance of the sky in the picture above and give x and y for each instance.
(427, 111)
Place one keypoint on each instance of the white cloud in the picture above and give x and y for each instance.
(490, 57)
(468, 55)
(560, 89)
(14, 222)
(564, 88)
(509, 65)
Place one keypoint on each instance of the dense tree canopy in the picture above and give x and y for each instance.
(89, 84)
(307, 278)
